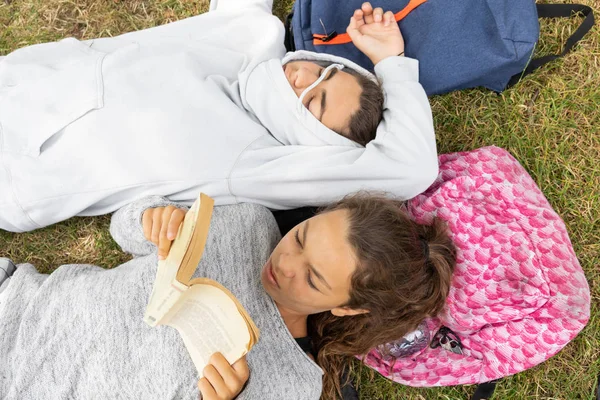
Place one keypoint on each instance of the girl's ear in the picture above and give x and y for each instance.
(346, 311)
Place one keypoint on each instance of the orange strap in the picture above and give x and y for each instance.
(343, 38)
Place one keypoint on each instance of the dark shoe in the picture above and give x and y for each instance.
(7, 268)
(349, 392)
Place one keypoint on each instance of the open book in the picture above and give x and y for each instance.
(208, 317)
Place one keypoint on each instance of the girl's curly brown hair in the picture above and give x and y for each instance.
(403, 276)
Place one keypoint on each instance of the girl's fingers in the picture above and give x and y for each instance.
(174, 223)
(215, 379)
(163, 242)
(241, 368)
(147, 223)
(226, 371)
(208, 392)
(156, 223)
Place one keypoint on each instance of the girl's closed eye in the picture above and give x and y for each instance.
(296, 235)
(308, 275)
(310, 282)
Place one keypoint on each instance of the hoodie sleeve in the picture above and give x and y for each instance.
(401, 160)
(406, 134)
(266, 5)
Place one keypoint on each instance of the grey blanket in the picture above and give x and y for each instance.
(78, 333)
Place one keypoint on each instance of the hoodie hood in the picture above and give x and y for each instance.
(303, 55)
(267, 94)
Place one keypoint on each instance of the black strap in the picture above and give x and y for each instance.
(288, 219)
(484, 390)
(598, 389)
(558, 11)
(349, 391)
(305, 344)
(288, 41)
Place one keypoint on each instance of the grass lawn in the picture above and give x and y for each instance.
(550, 122)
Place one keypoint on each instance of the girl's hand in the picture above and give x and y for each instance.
(223, 381)
(376, 34)
(161, 225)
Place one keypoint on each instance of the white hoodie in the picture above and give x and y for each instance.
(199, 105)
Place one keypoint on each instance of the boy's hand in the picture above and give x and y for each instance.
(223, 381)
(375, 34)
(161, 225)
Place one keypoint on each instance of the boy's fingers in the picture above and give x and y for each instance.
(353, 27)
(378, 14)
(358, 17)
(368, 12)
(389, 18)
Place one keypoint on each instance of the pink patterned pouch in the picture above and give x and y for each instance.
(518, 294)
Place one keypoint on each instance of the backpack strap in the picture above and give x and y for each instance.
(288, 41)
(343, 38)
(485, 390)
(558, 11)
(287, 219)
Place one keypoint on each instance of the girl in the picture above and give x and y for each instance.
(209, 104)
(356, 275)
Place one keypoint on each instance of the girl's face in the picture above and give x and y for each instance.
(333, 101)
(310, 269)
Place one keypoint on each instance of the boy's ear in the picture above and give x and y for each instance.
(347, 311)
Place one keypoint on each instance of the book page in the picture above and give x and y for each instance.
(209, 322)
(162, 300)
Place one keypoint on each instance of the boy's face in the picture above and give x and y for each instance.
(333, 101)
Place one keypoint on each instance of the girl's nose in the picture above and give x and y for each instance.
(288, 265)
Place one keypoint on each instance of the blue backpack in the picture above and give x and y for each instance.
(459, 43)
